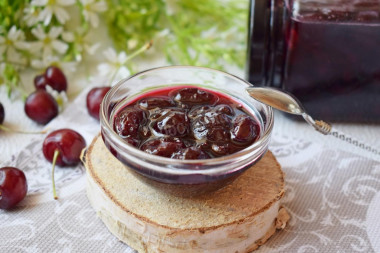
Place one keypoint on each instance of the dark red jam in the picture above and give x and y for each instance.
(326, 53)
(333, 60)
(186, 123)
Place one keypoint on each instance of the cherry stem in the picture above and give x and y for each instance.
(7, 129)
(131, 56)
(140, 50)
(56, 154)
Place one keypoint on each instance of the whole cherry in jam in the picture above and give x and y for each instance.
(244, 130)
(128, 121)
(54, 77)
(165, 147)
(13, 187)
(173, 123)
(193, 96)
(155, 102)
(186, 123)
(94, 99)
(63, 147)
(41, 107)
(212, 125)
(190, 153)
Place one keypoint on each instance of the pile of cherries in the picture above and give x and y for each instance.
(40, 106)
(62, 147)
(186, 123)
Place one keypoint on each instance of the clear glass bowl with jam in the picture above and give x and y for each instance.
(186, 130)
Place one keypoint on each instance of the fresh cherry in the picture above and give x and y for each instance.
(94, 99)
(63, 147)
(40, 82)
(41, 107)
(2, 113)
(54, 77)
(13, 187)
(68, 143)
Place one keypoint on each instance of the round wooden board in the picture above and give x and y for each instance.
(236, 218)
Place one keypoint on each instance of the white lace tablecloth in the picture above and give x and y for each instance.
(332, 192)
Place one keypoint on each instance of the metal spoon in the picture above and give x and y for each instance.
(288, 103)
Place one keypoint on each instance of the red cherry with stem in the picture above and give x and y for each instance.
(41, 107)
(94, 99)
(63, 147)
(13, 187)
(54, 77)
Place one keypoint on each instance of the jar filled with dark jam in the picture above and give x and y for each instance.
(325, 52)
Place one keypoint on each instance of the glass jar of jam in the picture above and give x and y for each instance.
(326, 53)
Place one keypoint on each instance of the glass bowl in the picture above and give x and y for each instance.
(184, 177)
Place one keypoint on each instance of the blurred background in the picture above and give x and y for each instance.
(92, 39)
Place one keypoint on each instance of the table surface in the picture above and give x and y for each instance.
(332, 189)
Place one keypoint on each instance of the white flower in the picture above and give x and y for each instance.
(68, 36)
(91, 48)
(10, 43)
(90, 10)
(31, 15)
(49, 41)
(84, 42)
(115, 67)
(53, 7)
(56, 61)
(60, 97)
(45, 62)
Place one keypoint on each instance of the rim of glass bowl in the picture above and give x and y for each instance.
(241, 155)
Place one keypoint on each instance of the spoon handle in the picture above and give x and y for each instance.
(338, 134)
(327, 129)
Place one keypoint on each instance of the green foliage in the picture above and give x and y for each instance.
(187, 22)
(10, 12)
(137, 21)
(11, 77)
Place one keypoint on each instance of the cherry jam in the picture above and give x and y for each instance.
(324, 52)
(186, 123)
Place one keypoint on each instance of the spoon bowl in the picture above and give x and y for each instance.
(286, 102)
(277, 99)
